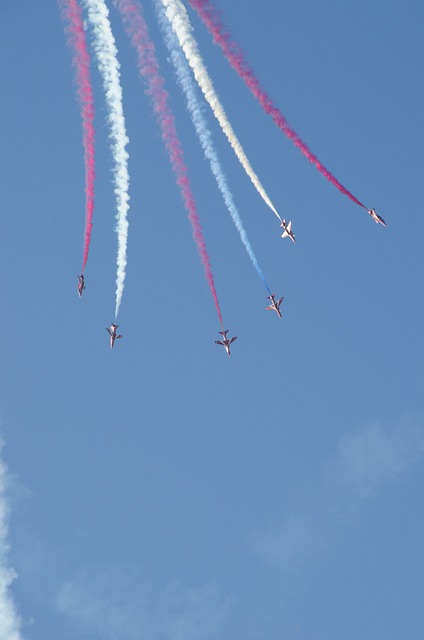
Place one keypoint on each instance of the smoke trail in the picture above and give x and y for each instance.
(10, 622)
(71, 13)
(189, 88)
(235, 56)
(148, 67)
(107, 62)
(178, 17)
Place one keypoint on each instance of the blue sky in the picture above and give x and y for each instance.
(161, 490)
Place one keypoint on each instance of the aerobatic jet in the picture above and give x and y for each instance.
(225, 342)
(288, 233)
(113, 335)
(81, 285)
(377, 219)
(275, 304)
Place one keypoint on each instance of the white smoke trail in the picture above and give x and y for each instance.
(10, 622)
(107, 62)
(188, 85)
(179, 20)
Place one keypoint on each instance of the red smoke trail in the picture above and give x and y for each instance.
(71, 13)
(148, 67)
(235, 56)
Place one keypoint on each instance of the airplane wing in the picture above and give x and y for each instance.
(289, 226)
(109, 331)
(232, 339)
(118, 337)
(219, 342)
(269, 308)
(285, 234)
(280, 300)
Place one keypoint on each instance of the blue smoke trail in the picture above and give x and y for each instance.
(188, 86)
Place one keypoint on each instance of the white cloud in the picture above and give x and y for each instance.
(10, 623)
(113, 604)
(293, 541)
(375, 455)
(363, 464)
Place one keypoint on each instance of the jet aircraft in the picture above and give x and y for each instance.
(275, 304)
(113, 335)
(288, 233)
(377, 219)
(225, 342)
(81, 285)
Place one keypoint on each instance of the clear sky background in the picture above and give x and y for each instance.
(162, 491)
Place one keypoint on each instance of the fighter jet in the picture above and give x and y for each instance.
(225, 342)
(275, 305)
(377, 219)
(81, 285)
(113, 335)
(288, 233)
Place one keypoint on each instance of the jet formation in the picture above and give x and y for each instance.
(273, 306)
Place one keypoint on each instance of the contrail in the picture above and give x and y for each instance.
(148, 68)
(10, 623)
(107, 62)
(71, 14)
(235, 56)
(178, 17)
(188, 86)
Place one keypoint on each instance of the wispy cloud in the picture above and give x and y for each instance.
(291, 542)
(364, 462)
(375, 455)
(114, 604)
(10, 623)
